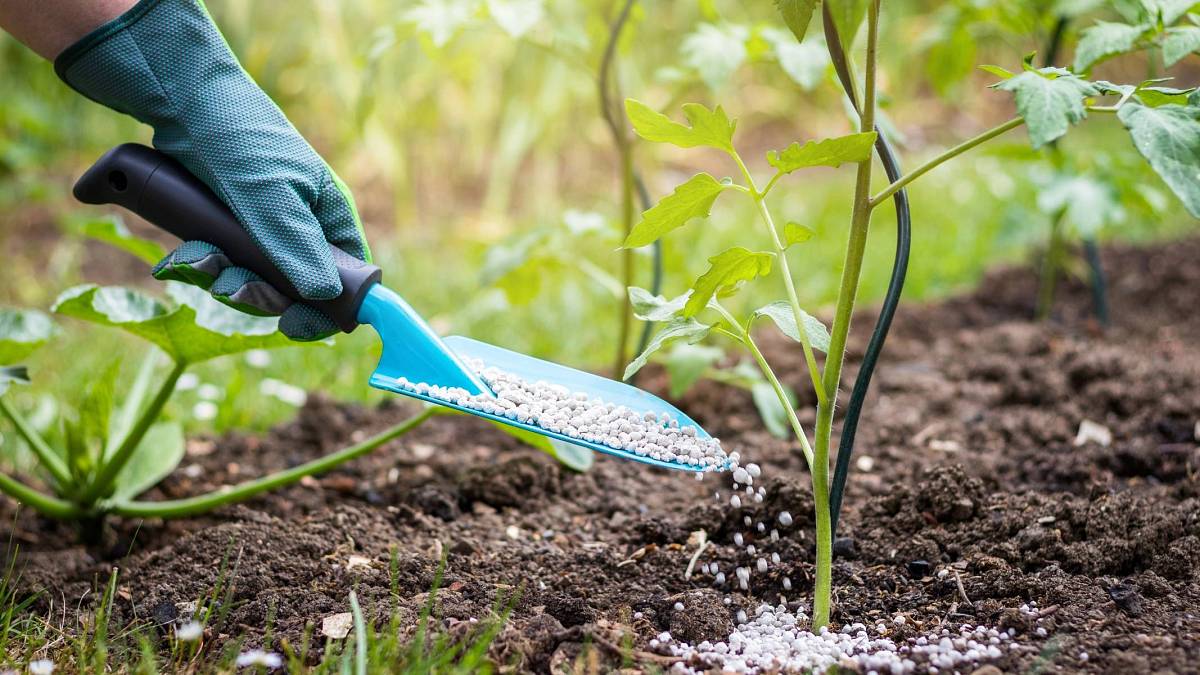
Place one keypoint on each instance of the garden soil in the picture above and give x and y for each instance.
(972, 498)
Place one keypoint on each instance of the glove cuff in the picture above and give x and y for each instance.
(72, 54)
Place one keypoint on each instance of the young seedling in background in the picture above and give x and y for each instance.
(116, 447)
(1049, 101)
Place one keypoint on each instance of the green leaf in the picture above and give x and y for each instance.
(21, 332)
(1087, 204)
(781, 313)
(649, 307)
(709, 128)
(797, 14)
(832, 152)
(726, 270)
(1178, 43)
(11, 374)
(156, 456)
(688, 330)
(1105, 40)
(805, 62)
(772, 412)
(112, 231)
(848, 15)
(1158, 96)
(795, 233)
(1002, 73)
(195, 329)
(715, 52)
(1169, 138)
(575, 457)
(693, 199)
(1167, 11)
(687, 363)
(1050, 100)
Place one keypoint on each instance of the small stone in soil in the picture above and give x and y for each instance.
(918, 569)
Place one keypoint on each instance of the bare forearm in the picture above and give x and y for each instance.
(50, 26)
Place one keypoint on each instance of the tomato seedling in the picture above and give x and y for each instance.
(114, 448)
(1049, 101)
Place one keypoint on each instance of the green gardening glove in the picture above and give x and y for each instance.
(165, 63)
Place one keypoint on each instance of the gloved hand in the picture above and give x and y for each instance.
(165, 63)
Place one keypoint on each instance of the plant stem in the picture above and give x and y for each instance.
(625, 152)
(191, 506)
(945, 156)
(743, 336)
(45, 454)
(42, 503)
(1050, 266)
(859, 225)
(108, 472)
(810, 358)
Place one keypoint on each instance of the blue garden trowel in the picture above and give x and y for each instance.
(163, 192)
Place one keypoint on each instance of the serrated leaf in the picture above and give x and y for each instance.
(832, 152)
(726, 270)
(715, 52)
(797, 14)
(687, 363)
(785, 319)
(21, 332)
(1169, 138)
(772, 412)
(196, 328)
(692, 199)
(11, 374)
(1168, 11)
(112, 231)
(688, 330)
(516, 17)
(1002, 73)
(649, 307)
(156, 456)
(1178, 43)
(795, 233)
(1050, 100)
(1104, 40)
(709, 128)
(848, 15)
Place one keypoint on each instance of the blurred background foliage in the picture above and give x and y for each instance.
(471, 134)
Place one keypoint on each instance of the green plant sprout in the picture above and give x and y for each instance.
(114, 448)
(1079, 200)
(1049, 100)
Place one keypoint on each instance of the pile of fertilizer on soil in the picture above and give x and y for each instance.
(774, 642)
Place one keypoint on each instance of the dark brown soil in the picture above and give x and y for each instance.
(978, 501)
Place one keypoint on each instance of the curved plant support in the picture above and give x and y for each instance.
(657, 273)
(887, 312)
(625, 152)
(1091, 250)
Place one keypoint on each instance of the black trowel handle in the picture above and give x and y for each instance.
(163, 192)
